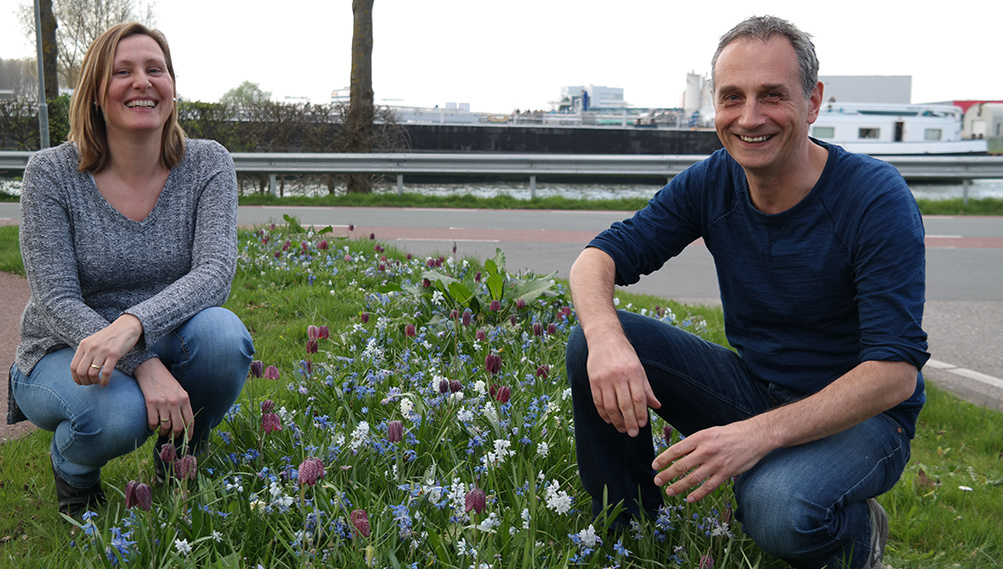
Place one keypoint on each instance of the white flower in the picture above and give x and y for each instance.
(465, 415)
(407, 406)
(557, 499)
(480, 387)
(490, 412)
(543, 449)
(182, 546)
(588, 536)
(490, 523)
(525, 518)
(437, 298)
(360, 435)
(965, 489)
(616, 301)
(566, 394)
(500, 453)
(217, 537)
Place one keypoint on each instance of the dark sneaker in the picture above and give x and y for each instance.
(879, 534)
(75, 501)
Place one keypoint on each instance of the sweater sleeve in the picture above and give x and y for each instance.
(214, 247)
(641, 244)
(890, 274)
(47, 250)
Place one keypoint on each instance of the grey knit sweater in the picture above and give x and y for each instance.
(87, 264)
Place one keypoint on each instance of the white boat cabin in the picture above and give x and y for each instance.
(882, 128)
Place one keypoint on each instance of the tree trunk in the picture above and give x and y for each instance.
(359, 125)
(49, 49)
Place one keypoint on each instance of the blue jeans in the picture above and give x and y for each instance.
(209, 355)
(805, 504)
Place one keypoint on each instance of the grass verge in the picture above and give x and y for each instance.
(944, 510)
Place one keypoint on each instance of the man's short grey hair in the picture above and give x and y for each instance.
(765, 27)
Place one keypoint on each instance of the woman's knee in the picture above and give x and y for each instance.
(219, 336)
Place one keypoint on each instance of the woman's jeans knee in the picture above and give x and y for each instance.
(209, 355)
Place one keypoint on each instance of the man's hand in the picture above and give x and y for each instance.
(620, 388)
(710, 457)
(97, 354)
(168, 408)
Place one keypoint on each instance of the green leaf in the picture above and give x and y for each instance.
(461, 293)
(293, 223)
(496, 285)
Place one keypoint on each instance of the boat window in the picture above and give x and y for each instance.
(823, 131)
(932, 134)
(870, 133)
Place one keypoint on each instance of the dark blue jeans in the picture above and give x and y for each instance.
(804, 504)
(209, 355)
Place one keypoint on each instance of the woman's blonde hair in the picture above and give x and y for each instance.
(87, 125)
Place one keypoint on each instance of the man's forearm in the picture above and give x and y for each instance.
(592, 280)
(867, 390)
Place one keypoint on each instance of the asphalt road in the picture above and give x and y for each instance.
(964, 310)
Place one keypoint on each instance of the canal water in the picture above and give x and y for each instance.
(521, 190)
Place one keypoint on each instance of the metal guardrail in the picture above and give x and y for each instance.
(914, 168)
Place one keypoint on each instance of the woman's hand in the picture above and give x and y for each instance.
(97, 354)
(168, 410)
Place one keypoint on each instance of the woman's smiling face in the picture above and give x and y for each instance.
(140, 91)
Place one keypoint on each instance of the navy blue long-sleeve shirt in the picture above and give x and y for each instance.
(809, 293)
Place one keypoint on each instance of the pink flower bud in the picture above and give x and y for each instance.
(513, 319)
(477, 276)
(185, 467)
(138, 494)
(480, 336)
(365, 318)
(348, 258)
(271, 372)
(311, 346)
(551, 329)
(168, 453)
(465, 319)
(504, 393)
(495, 306)
(360, 521)
(351, 227)
(409, 331)
(395, 431)
(475, 500)
(520, 303)
(537, 329)
(425, 283)
(267, 405)
(310, 470)
(372, 236)
(322, 245)
(312, 332)
(257, 368)
(323, 333)
(543, 371)
(492, 363)
(443, 386)
(454, 314)
(455, 386)
(706, 562)
(667, 435)
(285, 246)
(270, 422)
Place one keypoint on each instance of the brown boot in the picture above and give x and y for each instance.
(75, 501)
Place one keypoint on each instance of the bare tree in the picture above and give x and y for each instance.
(80, 22)
(50, 49)
(359, 125)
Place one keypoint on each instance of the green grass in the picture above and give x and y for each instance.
(934, 524)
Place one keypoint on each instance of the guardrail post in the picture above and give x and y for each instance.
(400, 184)
(964, 190)
(271, 185)
(532, 187)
